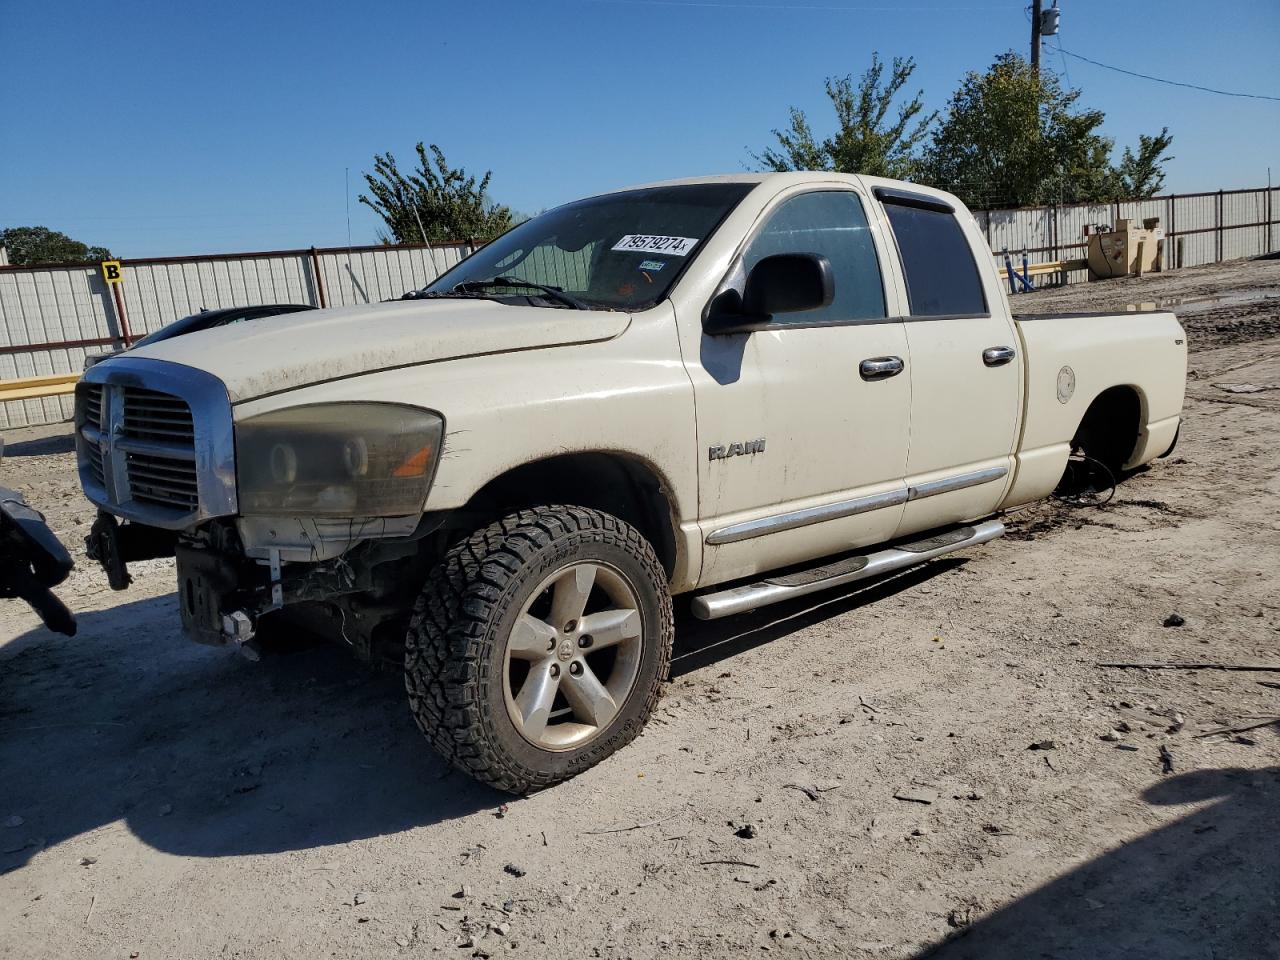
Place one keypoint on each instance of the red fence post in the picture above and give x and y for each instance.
(315, 272)
(122, 321)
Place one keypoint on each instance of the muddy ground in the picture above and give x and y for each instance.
(936, 763)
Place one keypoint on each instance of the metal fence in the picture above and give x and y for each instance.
(1200, 227)
(52, 315)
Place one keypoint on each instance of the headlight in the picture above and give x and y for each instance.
(337, 460)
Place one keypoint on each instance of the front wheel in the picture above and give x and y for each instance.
(538, 646)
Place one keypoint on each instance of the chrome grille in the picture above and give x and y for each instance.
(92, 394)
(168, 483)
(155, 442)
(151, 415)
(95, 466)
(163, 472)
(91, 400)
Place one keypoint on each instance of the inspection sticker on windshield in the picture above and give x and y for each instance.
(652, 266)
(644, 243)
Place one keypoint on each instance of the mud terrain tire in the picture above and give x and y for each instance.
(458, 665)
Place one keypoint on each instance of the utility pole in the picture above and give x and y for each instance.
(1035, 37)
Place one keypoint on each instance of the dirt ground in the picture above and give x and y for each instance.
(936, 764)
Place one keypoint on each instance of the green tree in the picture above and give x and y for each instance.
(1015, 137)
(41, 245)
(436, 202)
(867, 140)
(1142, 174)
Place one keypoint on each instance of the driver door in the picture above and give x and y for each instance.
(803, 426)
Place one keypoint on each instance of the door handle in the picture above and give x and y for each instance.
(998, 356)
(880, 368)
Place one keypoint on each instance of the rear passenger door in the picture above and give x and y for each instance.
(966, 375)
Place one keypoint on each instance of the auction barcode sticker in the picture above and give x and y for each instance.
(644, 243)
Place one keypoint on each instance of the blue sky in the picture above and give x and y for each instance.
(159, 128)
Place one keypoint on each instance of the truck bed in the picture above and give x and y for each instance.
(1071, 358)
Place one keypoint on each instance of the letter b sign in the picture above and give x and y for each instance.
(111, 271)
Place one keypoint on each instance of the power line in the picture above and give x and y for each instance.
(1174, 83)
(833, 8)
(1065, 72)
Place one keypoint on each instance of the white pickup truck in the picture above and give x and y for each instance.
(747, 388)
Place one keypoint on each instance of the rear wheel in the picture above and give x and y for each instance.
(538, 646)
(1108, 433)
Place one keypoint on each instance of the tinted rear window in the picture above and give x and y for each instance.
(942, 277)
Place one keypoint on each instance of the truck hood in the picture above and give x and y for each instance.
(258, 357)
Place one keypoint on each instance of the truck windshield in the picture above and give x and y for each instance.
(621, 251)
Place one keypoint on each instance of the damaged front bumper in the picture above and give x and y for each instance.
(228, 582)
(157, 451)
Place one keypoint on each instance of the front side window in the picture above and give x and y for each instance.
(937, 262)
(621, 251)
(832, 224)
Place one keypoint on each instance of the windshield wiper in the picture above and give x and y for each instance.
(425, 294)
(551, 293)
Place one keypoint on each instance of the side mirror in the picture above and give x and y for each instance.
(782, 283)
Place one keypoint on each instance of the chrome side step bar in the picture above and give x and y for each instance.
(712, 606)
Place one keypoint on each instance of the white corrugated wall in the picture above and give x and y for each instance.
(61, 304)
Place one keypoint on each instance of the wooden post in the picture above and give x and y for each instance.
(1035, 37)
